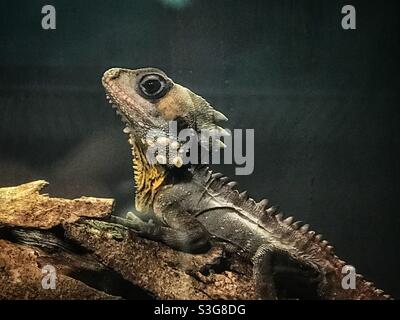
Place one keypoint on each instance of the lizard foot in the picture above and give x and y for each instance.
(134, 218)
(144, 228)
(132, 221)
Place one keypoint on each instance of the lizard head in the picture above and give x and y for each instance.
(148, 101)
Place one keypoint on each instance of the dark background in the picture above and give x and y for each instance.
(323, 102)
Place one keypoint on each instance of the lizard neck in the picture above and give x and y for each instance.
(148, 178)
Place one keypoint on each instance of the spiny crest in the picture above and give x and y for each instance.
(205, 118)
(205, 115)
(380, 293)
(221, 184)
(262, 211)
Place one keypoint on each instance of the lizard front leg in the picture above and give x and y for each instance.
(177, 229)
(183, 232)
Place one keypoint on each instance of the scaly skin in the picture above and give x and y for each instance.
(191, 208)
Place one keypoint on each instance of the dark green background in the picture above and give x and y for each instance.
(323, 102)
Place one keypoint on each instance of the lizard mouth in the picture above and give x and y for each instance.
(128, 129)
(131, 114)
(128, 125)
(112, 90)
(111, 87)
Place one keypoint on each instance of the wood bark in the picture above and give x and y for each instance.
(96, 259)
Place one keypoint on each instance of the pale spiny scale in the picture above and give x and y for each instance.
(272, 210)
(224, 179)
(220, 144)
(288, 220)
(311, 233)
(217, 175)
(297, 224)
(279, 216)
(262, 205)
(219, 116)
(304, 228)
(223, 132)
(243, 195)
(232, 184)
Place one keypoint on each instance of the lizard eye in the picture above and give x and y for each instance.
(153, 86)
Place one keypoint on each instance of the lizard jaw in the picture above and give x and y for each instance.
(128, 128)
(109, 87)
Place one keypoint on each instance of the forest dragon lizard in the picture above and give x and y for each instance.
(192, 207)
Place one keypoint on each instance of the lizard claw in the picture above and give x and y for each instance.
(140, 226)
(133, 217)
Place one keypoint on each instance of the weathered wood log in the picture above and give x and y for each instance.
(95, 259)
(24, 206)
(21, 277)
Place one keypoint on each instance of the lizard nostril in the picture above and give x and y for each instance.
(111, 73)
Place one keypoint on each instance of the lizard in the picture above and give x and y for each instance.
(191, 207)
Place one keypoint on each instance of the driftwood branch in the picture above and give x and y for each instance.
(95, 259)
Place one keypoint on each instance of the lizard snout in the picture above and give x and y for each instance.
(111, 74)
